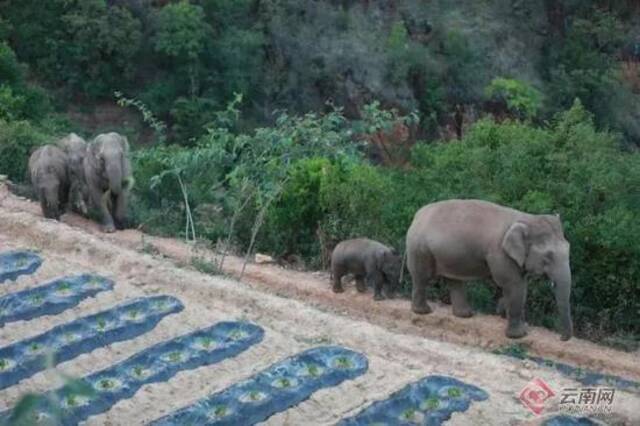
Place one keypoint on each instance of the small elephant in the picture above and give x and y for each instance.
(463, 240)
(50, 179)
(370, 262)
(108, 175)
(75, 147)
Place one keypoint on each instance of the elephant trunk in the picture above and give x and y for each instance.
(114, 174)
(51, 203)
(562, 289)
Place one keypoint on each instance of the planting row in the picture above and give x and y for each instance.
(430, 401)
(51, 298)
(279, 387)
(16, 263)
(156, 364)
(27, 357)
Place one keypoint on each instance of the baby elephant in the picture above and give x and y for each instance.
(367, 260)
(50, 179)
(108, 175)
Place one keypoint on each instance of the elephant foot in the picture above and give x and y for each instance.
(516, 331)
(109, 229)
(378, 297)
(421, 310)
(361, 289)
(462, 312)
(337, 289)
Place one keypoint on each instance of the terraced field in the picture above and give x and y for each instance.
(160, 343)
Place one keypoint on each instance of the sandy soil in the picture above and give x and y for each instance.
(297, 311)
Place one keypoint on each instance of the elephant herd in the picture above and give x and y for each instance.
(74, 173)
(454, 240)
(465, 240)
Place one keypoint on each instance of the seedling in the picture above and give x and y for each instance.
(207, 342)
(175, 356)
(69, 337)
(237, 334)
(314, 370)
(35, 347)
(71, 400)
(20, 262)
(101, 324)
(133, 314)
(343, 362)
(161, 305)
(454, 392)
(36, 299)
(64, 287)
(410, 415)
(430, 404)
(284, 383)
(220, 411)
(256, 395)
(138, 371)
(4, 364)
(106, 384)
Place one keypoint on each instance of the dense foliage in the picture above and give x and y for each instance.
(184, 59)
(535, 105)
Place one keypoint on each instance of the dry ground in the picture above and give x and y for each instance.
(297, 311)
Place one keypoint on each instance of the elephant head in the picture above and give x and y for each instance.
(538, 246)
(390, 265)
(111, 158)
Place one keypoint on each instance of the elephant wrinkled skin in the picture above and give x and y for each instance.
(463, 240)
(108, 175)
(370, 262)
(50, 179)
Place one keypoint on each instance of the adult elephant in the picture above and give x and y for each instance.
(463, 240)
(108, 175)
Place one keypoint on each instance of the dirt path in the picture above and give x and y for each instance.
(297, 311)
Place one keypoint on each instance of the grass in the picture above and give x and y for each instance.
(516, 350)
(205, 266)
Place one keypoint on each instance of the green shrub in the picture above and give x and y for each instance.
(17, 140)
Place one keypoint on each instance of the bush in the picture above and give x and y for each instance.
(18, 139)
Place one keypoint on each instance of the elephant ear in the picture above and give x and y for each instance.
(514, 242)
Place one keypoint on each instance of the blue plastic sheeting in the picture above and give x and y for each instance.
(27, 357)
(589, 378)
(16, 263)
(51, 298)
(281, 386)
(564, 420)
(155, 364)
(430, 401)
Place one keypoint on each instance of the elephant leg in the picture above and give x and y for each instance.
(459, 301)
(101, 201)
(337, 280)
(421, 271)
(515, 311)
(501, 304)
(376, 281)
(361, 285)
(514, 288)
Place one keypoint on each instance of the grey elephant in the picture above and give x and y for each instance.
(75, 147)
(462, 240)
(108, 175)
(370, 262)
(50, 179)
